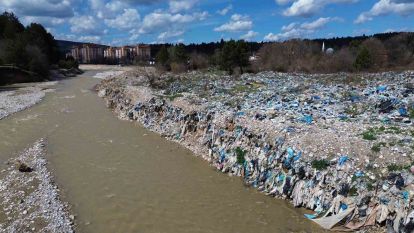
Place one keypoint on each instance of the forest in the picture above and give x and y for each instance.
(30, 50)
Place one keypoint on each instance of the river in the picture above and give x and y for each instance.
(119, 177)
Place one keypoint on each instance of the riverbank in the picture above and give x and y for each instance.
(340, 145)
(138, 181)
(24, 94)
(18, 97)
(29, 197)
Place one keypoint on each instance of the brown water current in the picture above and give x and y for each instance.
(119, 177)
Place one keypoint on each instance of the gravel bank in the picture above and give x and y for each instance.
(29, 197)
(18, 97)
(340, 145)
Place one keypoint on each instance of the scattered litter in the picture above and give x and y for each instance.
(334, 144)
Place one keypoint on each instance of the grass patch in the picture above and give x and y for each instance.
(393, 130)
(372, 133)
(370, 186)
(320, 164)
(377, 146)
(240, 155)
(245, 88)
(397, 167)
(353, 191)
(369, 135)
(170, 97)
(411, 113)
(173, 97)
(352, 111)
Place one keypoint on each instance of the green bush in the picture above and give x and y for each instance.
(369, 135)
(411, 113)
(68, 63)
(363, 60)
(240, 155)
(321, 164)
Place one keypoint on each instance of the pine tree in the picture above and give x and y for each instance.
(163, 56)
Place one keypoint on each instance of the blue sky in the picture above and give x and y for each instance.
(118, 22)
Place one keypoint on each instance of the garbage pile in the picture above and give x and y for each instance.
(340, 144)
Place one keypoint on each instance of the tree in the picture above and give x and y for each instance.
(31, 48)
(36, 34)
(163, 56)
(10, 26)
(15, 52)
(227, 56)
(242, 55)
(379, 55)
(38, 61)
(177, 54)
(364, 59)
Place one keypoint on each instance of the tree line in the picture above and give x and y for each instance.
(29, 48)
(369, 54)
(380, 52)
(231, 56)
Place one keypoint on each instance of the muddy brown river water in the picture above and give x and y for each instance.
(119, 177)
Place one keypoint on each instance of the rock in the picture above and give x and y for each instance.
(23, 167)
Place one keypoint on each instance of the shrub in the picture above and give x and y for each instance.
(321, 164)
(68, 63)
(162, 56)
(240, 155)
(38, 61)
(363, 60)
(178, 67)
(369, 135)
(198, 61)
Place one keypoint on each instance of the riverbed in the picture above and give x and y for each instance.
(119, 177)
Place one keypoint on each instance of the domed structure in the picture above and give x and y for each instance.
(330, 51)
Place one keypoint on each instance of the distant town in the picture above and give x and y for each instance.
(90, 53)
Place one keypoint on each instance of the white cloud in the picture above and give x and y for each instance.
(289, 27)
(62, 36)
(51, 8)
(93, 39)
(250, 35)
(319, 23)
(107, 10)
(161, 21)
(85, 24)
(181, 5)
(237, 23)
(44, 20)
(385, 7)
(283, 2)
(294, 33)
(295, 30)
(168, 35)
(307, 8)
(225, 10)
(127, 20)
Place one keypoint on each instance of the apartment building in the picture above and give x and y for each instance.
(142, 52)
(92, 53)
(88, 53)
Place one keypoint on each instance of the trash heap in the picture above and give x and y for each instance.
(340, 145)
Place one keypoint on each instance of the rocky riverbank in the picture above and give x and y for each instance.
(29, 198)
(341, 145)
(18, 97)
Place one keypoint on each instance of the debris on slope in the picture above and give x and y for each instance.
(340, 144)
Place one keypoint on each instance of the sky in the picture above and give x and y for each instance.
(122, 22)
